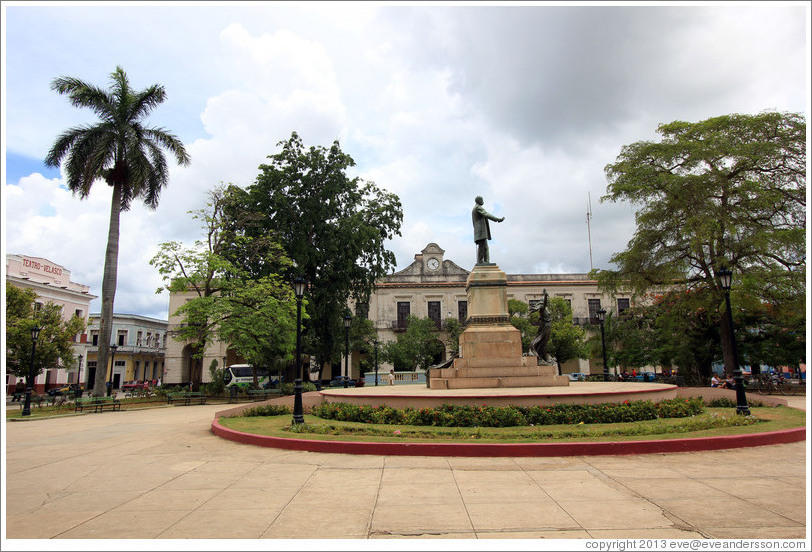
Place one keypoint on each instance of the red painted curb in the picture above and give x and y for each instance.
(516, 449)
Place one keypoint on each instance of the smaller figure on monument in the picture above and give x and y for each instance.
(482, 230)
(539, 343)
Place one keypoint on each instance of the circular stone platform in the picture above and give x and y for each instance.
(419, 396)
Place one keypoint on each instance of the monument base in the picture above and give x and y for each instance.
(490, 347)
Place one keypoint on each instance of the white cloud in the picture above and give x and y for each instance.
(523, 105)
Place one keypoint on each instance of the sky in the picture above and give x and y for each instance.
(524, 105)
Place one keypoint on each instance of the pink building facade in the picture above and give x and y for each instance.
(52, 284)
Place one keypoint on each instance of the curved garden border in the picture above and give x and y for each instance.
(515, 449)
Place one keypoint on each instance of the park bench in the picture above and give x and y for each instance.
(97, 403)
(259, 394)
(186, 397)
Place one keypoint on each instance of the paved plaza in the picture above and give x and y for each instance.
(161, 474)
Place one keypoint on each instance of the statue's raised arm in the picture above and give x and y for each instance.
(482, 230)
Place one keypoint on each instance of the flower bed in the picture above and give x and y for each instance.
(511, 416)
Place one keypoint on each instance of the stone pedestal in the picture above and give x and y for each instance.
(490, 347)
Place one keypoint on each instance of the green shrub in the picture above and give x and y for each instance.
(511, 416)
(288, 388)
(267, 410)
(725, 402)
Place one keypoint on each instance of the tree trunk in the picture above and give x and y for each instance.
(727, 345)
(108, 293)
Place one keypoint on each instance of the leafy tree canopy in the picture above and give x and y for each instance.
(334, 227)
(54, 343)
(254, 314)
(416, 348)
(567, 341)
(730, 191)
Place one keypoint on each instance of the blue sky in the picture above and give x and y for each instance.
(524, 105)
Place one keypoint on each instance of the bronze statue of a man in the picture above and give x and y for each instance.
(482, 230)
(539, 343)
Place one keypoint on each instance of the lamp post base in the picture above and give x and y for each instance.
(27, 404)
(298, 411)
(741, 399)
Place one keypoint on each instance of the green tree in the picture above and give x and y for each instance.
(257, 318)
(334, 227)
(730, 191)
(123, 152)
(673, 328)
(254, 314)
(56, 337)
(416, 348)
(524, 321)
(567, 341)
(362, 335)
(453, 329)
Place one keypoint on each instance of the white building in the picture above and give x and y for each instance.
(52, 284)
(430, 287)
(140, 349)
(434, 287)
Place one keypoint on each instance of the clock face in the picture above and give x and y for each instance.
(433, 264)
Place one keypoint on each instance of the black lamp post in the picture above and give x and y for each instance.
(78, 391)
(347, 324)
(31, 375)
(376, 343)
(299, 285)
(601, 314)
(113, 348)
(726, 281)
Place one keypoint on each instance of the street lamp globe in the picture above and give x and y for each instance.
(299, 285)
(725, 278)
(601, 315)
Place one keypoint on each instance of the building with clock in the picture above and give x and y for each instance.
(430, 287)
(434, 287)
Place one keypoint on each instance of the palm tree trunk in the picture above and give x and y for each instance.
(108, 292)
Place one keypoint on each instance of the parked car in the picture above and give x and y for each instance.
(577, 376)
(67, 389)
(646, 376)
(339, 381)
(130, 385)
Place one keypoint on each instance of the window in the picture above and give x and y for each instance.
(362, 310)
(122, 338)
(594, 307)
(404, 309)
(622, 305)
(149, 339)
(534, 304)
(78, 313)
(434, 312)
(138, 338)
(94, 337)
(462, 311)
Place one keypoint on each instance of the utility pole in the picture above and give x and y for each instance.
(588, 229)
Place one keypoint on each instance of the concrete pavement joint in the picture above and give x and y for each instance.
(615, 496)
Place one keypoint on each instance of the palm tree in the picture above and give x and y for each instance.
(123, 152)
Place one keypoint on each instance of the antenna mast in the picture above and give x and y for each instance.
(588, 229)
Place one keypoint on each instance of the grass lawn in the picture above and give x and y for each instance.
(713, 422)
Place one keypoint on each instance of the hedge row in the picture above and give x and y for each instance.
(509, 416)
(266, 410)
